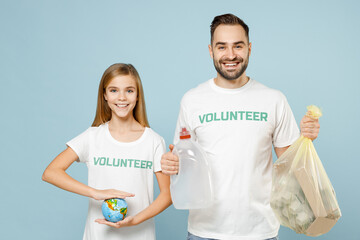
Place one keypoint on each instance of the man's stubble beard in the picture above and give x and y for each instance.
(235, 75)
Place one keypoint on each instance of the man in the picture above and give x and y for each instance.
(236, 120)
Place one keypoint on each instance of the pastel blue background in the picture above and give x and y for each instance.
(53, 53)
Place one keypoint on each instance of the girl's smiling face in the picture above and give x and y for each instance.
(121, 96)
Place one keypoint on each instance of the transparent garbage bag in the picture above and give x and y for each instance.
(302, 196)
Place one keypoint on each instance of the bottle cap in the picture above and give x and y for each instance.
(184, 134)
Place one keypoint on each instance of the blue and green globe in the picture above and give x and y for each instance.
(114, 209)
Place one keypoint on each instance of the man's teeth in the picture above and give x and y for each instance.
(230, 64)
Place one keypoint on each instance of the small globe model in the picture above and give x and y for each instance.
(114, 210)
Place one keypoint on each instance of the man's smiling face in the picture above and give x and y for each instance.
(230, 50)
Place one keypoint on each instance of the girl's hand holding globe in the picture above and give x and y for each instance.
(109, 193)
(112, 194)
(128, 221)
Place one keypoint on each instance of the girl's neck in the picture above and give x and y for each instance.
(124, 125)
(123, 130)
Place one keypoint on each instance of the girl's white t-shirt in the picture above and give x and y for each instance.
(124, 166)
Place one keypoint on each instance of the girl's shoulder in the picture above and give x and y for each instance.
(91, 131)
(154, 135)
(97, 129)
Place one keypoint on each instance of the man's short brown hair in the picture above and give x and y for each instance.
(227, 19)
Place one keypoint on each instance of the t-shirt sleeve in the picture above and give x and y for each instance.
(80, 145)
(183, 121)
(159, 151)
(286, 130)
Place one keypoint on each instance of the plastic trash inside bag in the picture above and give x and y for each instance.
(302, 196)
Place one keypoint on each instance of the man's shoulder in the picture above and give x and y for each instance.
(266, 91)
(198, 91)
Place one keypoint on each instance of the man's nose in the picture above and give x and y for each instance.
(230, 53)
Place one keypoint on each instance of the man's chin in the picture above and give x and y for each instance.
(231, 77)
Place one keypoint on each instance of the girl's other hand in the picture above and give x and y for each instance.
(110, 193)
(127, 222)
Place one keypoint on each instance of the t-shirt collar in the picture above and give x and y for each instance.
(230, 90)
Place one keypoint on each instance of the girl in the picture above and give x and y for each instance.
(121, 153)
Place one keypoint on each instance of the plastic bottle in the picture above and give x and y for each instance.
(191, 187)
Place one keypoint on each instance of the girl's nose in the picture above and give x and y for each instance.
(122, 96)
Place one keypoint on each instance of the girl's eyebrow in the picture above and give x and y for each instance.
(117, 87)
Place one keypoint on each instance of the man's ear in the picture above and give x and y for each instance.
(211, 51)
(250, 48)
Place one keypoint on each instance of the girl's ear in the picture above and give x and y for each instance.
(105, 97)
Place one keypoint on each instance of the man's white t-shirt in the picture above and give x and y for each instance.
(127, 167)
(237, 129)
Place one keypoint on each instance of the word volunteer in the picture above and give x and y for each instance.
(233, 115)
(117, 162)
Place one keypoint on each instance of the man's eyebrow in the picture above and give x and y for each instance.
(239, 42)
(224, 43)
(220, 43)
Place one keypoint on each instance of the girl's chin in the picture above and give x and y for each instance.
(122, 115)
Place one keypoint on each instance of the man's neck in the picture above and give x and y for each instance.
(231, 84)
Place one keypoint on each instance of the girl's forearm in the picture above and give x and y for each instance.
(56, 174)
(61, 179)
(160, 204)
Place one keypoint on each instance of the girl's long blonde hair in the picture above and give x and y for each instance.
(103, 111)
